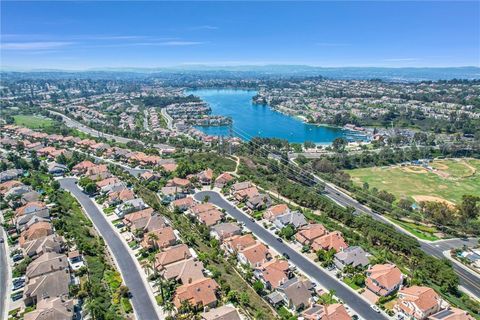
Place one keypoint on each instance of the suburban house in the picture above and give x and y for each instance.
(237, 243)
(145, 220)
(383, 279)
(6, 186)
(35, 231)
(45, 264)
(10, 174)
(225, 312)
(259, 202)
(351, 256)
(26, 212)
(333, 240)
(165, 237)
(172, 254)
(306, 234)
(184, 271)
(273, 273)
(117, 197)
(179, 182)
(223, 179)
(37, 247)
(183, 204)
(107, 182)
(418, 302)
(254, 255)
(169, 194)
(205, 177)
(57, 169)
(53, 308)
(274, 211)
(130, 206)
(246, 193)
(451, 314)
(82, 167)
(210, 217)
(51, 285)
(241, 186)
(200, 293)
(225, 230)
(294, 219)
(75, 260)
(334, 311)
(296, 293)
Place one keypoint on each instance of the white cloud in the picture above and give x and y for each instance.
(37, 45)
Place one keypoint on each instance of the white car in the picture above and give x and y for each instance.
(375, 308)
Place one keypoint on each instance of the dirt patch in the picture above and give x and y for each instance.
(432, 198)
(473, 170)
(440, 166)
(442, 174)
(248, 162)
(414, 170)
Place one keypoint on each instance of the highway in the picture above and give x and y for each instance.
(142, 303)
(360, 306)
(469, 281)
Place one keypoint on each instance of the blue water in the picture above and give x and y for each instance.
(251, 120)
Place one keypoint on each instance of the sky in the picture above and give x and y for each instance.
(108, 34)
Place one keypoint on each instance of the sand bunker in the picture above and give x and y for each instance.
(432, 198)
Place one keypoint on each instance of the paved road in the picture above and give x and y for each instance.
(143, 305)
(360, 306)
(3, 275)
(469, 281)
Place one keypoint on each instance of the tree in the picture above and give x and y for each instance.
(469, 209)
(258, 286)
(339, 144)
(244, 299)
(287, 232)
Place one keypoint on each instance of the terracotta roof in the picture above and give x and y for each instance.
(239, 242)
(382, 278)
(451, 314)
(171, 255)
(274, 272)
(202, 207)
(308, 233)
(166, 238)
(255, 254)
(179, 182)
(210, 217)
(185, 271)
(198, 293)
(107, 182)
(169, 167)
(424, 298)
(334, 311)
(221, 313)
(30, 207)
(5, 186)
(37, 230)
(184, 202)
(333, 240)
(275, 211)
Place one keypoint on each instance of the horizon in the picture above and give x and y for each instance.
(80, 36)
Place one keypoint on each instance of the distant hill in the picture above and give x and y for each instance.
(387, 74)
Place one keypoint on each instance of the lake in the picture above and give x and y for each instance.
(252, 120)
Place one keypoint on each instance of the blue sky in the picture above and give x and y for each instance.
(80, 35)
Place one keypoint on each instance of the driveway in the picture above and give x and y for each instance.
(360, 306)
(145, 308)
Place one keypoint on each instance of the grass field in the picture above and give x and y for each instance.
(32, 122)
(449, 181)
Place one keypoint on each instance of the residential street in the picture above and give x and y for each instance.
(145, 308)
(3, 276)
(360, 306)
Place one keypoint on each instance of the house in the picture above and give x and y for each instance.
(75, 260)
(334, 311)
(225, 312)
(351, 256)
(247, 193)
(6, 186)
(57, 169)
(183, 204)
(294, 219)
(210, 217)
(333, 240)
(162, 238)
(37, 247)
(47, 263)
(205, 177)
(114, 187)
(51, 285)
(254, 255)
(107, 182)
(10, 174)
(97, 172)
(201, 207)
(30, 196)
(117, 197)
(274, 211)
(200, 293)
(169, 167)
(225, 230)
(52, 309)
(179, 182)
(306, 234)
(418, 302)
(169, 194)
(241, 186)
(184, 271)
(145, 220)
(130, 206)
(273, 273)
(259, 202)
(296, 293)
(237, 243)
(82, 167)
(24, 213)
(383, 279)
(17, 191)
(172, 254)
(451, 314)
(36, 231)
(223, 179)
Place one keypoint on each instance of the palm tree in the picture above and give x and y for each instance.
(147, 267)
(152, 239)
(168, 307)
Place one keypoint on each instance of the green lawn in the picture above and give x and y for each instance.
(351, 284)
(453, 179)
(422, 232)
(33, 122)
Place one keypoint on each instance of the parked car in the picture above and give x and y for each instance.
(17, 285)
(1, 240)
(17, 296)
(375, 308)
(285, 255)
(17, 257)
(279, 239)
